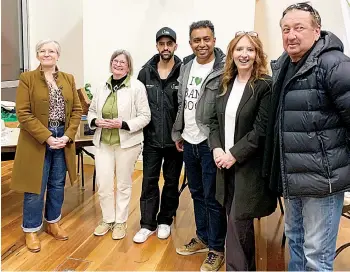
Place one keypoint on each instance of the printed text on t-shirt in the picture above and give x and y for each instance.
(192, 93)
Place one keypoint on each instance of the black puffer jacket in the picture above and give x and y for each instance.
(162, 101)
(313, 123)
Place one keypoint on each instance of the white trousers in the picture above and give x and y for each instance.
(114, 161)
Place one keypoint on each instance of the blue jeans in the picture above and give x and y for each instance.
(311, 226)
(209, 215)
(53, 181)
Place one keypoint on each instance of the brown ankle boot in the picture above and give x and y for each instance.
(56, 231)
(32, 241)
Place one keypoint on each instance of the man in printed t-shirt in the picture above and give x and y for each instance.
(198, 86)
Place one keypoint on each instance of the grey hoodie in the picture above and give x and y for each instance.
(207, 94)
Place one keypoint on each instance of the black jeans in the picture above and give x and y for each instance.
(209, 214)
(240, 240)
(149, 201)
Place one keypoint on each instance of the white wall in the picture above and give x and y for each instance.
(269, 12)
(61, 20)
(132, 25)
(345, 6)
(89, 30)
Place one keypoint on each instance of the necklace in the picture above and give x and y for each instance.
(51, 83)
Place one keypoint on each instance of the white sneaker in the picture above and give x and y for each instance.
(142, 235)
(347, 199)
(163, 231)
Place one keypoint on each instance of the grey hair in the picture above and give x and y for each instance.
(202, 24)
(46, 41)
(128, 59)
(315, 16)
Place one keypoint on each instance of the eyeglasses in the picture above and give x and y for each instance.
(305, 7)
(250, 33)
(121, 62)
(48, 52)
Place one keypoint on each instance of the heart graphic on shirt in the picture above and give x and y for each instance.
(198, 80)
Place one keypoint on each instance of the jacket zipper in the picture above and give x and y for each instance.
(157, 98)
(282, 164)
(324, 161)
(160, 82)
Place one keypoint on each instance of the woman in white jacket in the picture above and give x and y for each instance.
(118, 111)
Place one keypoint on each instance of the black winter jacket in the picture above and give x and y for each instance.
(309, 122)
(162, 102)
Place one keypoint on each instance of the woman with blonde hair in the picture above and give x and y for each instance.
(118, 111)
(48, 110)
(237, 135)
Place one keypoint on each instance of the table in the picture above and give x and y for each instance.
(9, 146)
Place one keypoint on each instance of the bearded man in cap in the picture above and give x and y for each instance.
(159, 75)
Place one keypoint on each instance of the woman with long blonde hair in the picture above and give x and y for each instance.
(237, 135)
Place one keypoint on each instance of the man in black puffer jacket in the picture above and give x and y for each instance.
(159, 75)
(307, 156)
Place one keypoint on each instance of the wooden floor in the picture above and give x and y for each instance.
(84, 251)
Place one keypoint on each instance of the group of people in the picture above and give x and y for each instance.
(244, 137)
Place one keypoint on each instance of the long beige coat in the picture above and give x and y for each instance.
(32, 108)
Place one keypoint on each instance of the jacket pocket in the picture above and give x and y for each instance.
(153, 95)
(211, 91)
(213, 85)
(324, 157)
(325, 162)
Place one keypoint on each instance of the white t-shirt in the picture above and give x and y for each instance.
(198, 74)
(231, 111)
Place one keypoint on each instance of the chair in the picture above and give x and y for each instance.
(80, 153)
(84, 100)
(85, 104)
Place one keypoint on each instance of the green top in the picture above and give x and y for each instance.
(110, 110)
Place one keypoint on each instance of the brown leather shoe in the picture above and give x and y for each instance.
(56, 231)
(32, 242)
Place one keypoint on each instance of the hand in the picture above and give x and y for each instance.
(103, 123)
(179, 145)
(52, 141)
(217, 152)
(64, 139)
(115, 123)
(55, 143)
(225, 161)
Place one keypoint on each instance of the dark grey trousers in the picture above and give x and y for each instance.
(240, 242)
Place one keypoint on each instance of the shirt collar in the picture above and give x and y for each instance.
(125, 83)
(55, 74)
